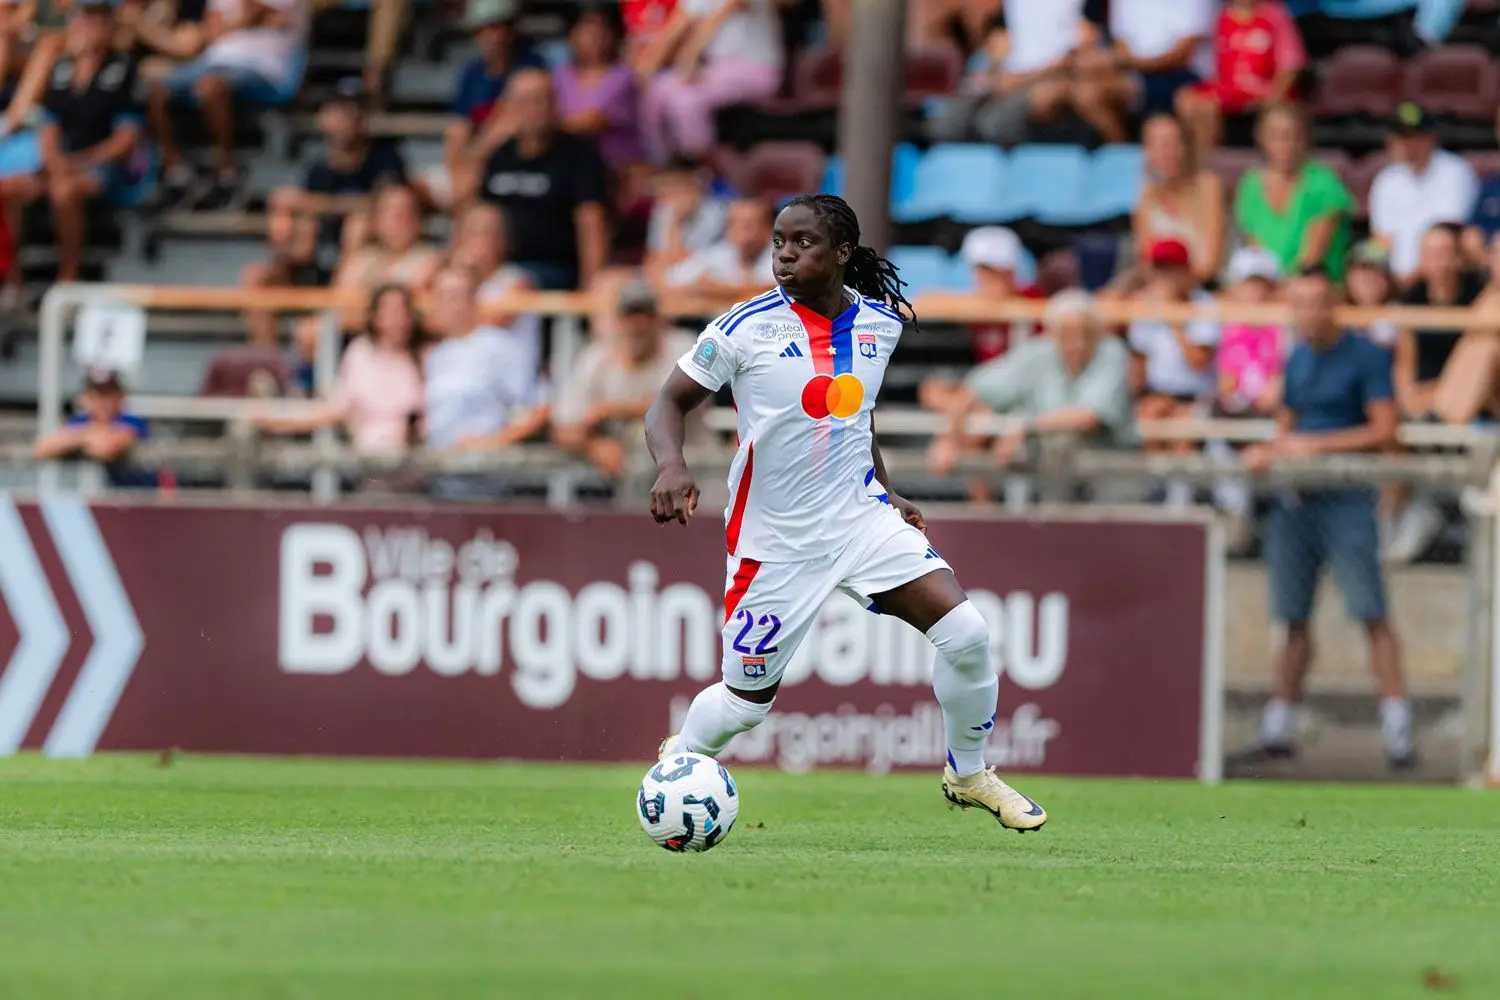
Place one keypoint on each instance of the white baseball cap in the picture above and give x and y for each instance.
(993, 247)
(1252, 262)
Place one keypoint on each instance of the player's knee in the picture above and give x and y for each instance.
(962, 636)
(747, 714)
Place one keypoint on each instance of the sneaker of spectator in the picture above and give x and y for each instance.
(1179, 199)
(553, 188)
(1177, 373)
(162, 34)
(256, 53)
(597, 98)
(712, 54)
(600, 408)
(1258, 58)
(1075, 380)
(1422, 186)
(478, 107)
(86, 142)
(378, 398)
(480, 243)
(1292, 205)
(1368, 284)
(738, 266)
(480, 394)
(995, 255)
(101, 431)
(1024, 73)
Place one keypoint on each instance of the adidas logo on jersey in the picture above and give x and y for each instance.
(792, 351)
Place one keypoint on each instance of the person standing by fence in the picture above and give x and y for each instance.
(1338, 398)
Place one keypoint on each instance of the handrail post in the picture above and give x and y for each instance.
(325, 480)
(49, 376)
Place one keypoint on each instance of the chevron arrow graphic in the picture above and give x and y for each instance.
(44, 635)
(117, 633)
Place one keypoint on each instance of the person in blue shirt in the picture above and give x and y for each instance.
(100, 431)
(1338, 398)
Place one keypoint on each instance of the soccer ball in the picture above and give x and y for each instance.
(687, 802)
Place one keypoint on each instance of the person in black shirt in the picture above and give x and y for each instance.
(310, 224)
(89, 132)
(552, 186)
(1448, 374)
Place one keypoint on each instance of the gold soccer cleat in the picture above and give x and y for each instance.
(985, 790)
(672, 744)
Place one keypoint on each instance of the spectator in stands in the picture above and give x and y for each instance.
(256, 51)
(600, 409)
(685, 216)
(101, 431)
(1159, 47)
(396, 254)
(1248, 360)
(162, 33)
(552, 187)
(1337, 399)
(1075, 380)
(1179, 200)
(596, 93)
(1025, 73)
(86, 145)
(1448, 374)
(1296, 208)
(481, 119)
(479, 243)
(480, 394)
(1369, 284)
(927, 21)
(1176, 359)
(44, 21)
(1258, 56)
(1484, 223)
(306, 226)
(644, 22)
(712, 54)
(1421, 187)
(739, 265)
(378, 398)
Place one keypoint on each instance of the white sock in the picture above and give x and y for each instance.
(1277, 722)
(1395, 726)
(967, 688)
(717, 716)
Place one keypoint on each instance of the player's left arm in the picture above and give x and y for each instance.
(908, 510)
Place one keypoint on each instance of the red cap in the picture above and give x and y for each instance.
(1170, 253)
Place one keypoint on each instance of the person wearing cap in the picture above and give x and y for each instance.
(1421, 186)
(1291, 205)
(1177, 359)
(89, 135)
(996, 260)
(1249, 355)
(101, 431)
(599, 410)
(1368, 284)
(256, 52)
(736, 267)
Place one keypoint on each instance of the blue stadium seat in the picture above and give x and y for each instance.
(1111, 187)
(903, 173)
(1041, 178)
(955, 181)
(926, 269)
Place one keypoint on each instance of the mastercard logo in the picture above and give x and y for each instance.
(832, 396)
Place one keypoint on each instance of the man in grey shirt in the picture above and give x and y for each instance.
(1074, 380)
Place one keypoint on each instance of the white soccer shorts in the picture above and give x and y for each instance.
(769, 606)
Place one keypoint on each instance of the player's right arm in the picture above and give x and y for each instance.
(698, 375)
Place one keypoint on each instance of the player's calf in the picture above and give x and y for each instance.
(716, 716)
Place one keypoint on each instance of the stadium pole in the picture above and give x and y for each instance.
(870, 112)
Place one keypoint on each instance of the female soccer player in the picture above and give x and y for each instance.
(811, 510)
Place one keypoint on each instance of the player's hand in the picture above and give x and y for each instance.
(674, 497)
(909, 512)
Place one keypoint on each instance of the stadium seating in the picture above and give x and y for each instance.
(903, 173)
(1359, 80)
(777, 171)
(1041, 179)
(1457, 80)
(1110, 188)
(953, 181)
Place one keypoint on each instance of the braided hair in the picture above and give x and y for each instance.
(868, 273)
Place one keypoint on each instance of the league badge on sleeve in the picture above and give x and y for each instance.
(867, 344)
(706, 354)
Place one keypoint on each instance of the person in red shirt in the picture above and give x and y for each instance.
(643, 20)
(1258, 56)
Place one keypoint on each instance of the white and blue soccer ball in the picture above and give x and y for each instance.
(687, 802)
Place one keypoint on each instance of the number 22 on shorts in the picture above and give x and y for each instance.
(753, 658)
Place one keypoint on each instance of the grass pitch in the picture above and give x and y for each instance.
(238, 878)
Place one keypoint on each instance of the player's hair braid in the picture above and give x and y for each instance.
(867, 272)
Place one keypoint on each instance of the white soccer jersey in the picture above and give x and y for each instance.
(803, 387)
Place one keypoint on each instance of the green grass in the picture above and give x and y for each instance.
(236, 878)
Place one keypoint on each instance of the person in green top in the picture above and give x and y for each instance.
(1295, 208)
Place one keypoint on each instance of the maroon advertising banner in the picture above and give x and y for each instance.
(547, 636)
